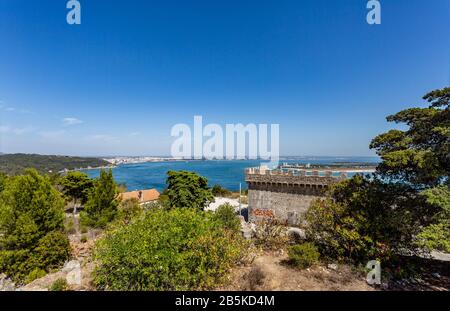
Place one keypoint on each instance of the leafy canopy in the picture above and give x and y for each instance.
(77, 185)
(101, 206)
(419, 155)
(188, 189)
(404, 206)
(31, 221)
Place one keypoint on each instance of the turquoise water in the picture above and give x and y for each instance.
(228, 174)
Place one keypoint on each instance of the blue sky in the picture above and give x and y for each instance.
(117, 83)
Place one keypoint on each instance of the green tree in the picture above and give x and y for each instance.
(364, 218)
(101, 206)
(188, 189)
(405, 204)
(419, 155)
(31, 216)
(77, 186)
(436, 235)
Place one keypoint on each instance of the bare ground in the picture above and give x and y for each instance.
(269, 271)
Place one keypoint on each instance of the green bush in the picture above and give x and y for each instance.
(83, 229)
(226, 215)
(218, 191)
(52, 250)
(31, 221)
(179, 249)
(358, 221)
(436, 236)
(129, 209)
(59, 285)
(34, 275)
(303, 255)
(70, 226)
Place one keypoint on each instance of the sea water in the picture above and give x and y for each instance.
(228, 174)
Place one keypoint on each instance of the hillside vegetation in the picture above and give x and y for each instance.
(13, 164)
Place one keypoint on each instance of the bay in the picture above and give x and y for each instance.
(228, 174)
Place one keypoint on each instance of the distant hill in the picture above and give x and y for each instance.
(14, 164)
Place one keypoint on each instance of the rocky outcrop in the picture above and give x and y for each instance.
(71, 272)
(6, 285)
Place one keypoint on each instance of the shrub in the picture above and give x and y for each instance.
(34, 275)
(70, 226)
(303, 255)
(226, 215)
(270, 234)
(218, 191)
(365, 218)
(59, 285)
(128, 210)
(83, 229)
(52, 250)
(255, 278)
(179, 249)
(31, 218)
(163, 198)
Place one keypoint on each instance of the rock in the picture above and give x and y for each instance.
(332, 266)
(280, 253)
(297, 233)
(247, 230)
(33, 289)
(74, 277)
(73, 270)
(6, 285)
(436, 275)
(71, 265)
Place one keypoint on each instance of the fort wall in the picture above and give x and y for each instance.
(286, 196)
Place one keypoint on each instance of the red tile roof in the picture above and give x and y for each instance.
(143, 196)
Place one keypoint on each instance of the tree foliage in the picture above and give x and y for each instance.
(31, 221)
(14, 164)
(77, 186)
(419, 155)
(188, 189)
(405, 204)
(219, 191)
(101, 206)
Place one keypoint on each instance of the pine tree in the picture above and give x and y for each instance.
(101, 206)
(31, 224)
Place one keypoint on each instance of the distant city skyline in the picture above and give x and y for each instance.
(116, 84)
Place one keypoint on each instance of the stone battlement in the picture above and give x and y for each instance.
(297, 177)
(286, 195)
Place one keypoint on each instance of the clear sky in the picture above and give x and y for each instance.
(117, 83)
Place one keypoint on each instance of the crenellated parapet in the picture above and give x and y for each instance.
(287, 194)
(298, 178)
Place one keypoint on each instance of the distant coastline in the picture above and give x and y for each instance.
(226, 173)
